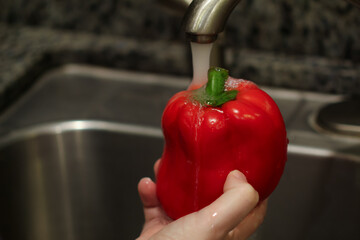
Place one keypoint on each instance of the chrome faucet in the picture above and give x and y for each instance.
(205, 19)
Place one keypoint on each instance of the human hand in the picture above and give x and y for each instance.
(234, 215)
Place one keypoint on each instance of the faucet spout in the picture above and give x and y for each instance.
(205, 19)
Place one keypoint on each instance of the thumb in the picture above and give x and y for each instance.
(238, 200)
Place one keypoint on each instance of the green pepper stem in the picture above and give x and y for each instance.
(216, 81)
(214, 94)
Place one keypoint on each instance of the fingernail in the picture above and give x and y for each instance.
(146, 180)
(238, 175)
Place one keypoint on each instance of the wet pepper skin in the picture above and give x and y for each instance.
(204, 143)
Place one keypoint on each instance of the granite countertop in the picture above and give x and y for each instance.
(26, 52)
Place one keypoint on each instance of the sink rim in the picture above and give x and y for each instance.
(59, 127)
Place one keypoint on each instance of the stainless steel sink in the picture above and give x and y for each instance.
(73, 149)
(75, 180)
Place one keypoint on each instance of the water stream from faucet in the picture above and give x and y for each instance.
(201, 63)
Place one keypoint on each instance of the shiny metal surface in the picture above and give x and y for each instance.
(73, 149)
(75, 180)
(340, 118)
(317, 198)
(83, 92)
(205, 19)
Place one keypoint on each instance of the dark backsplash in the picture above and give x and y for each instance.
(139, 18)
(289, 30)
(316, 27)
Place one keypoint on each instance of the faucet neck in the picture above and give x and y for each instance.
(205, 19)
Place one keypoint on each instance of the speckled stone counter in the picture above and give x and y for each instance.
(326, 28)
(26, 52)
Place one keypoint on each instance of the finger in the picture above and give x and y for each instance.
(147, 192)
(238, 200)
(152, 208)
(155, 217)
(156, 166)
(250, 223)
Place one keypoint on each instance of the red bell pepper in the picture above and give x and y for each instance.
(227, 124)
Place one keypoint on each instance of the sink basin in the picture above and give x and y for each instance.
(74, 147)
(75, 180)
